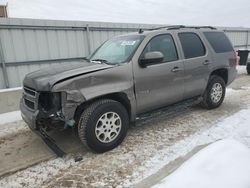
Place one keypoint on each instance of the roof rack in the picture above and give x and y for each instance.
(174, 27)
(167, 27)
(193, 27)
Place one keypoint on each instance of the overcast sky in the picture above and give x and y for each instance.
(189, 12)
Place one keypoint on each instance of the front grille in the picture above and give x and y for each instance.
(29, 91)
(29, 104)
(30, 98)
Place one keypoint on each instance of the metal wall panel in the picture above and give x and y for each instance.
(2, 85)
(238, 38)
(27, 45)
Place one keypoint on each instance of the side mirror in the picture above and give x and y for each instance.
(151, 58)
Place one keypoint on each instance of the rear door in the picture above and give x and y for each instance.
(223, 53)
(159, 84)
(196, 63)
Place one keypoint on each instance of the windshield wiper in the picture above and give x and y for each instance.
(101, 61)
(86, 59)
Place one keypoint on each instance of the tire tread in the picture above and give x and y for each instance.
(86, 115)
(205, 103)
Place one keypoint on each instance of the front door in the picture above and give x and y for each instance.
(159, 84)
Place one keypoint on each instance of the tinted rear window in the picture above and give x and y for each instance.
(192, 45)
(219, 42)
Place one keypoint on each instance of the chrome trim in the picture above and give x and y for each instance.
(32, 98)
(25, 88)
(27, 105)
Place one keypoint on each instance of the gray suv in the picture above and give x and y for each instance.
(126, 77)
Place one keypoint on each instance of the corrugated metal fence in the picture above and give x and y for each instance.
(27, 45)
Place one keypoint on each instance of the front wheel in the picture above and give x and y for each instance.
(215, 92)
(103, 125)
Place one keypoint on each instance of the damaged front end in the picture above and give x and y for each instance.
(45, 110)
(50, 114)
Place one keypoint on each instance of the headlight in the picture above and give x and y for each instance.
(50, 101)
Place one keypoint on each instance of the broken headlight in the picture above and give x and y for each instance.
(50, 101)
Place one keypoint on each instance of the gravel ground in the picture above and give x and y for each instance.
(152, 140)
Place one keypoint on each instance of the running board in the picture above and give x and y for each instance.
(51, 143)
(171, 109)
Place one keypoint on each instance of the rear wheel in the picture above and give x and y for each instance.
(215, 92)
(248, 68)
(103, 125)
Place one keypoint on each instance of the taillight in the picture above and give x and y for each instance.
(235, 58)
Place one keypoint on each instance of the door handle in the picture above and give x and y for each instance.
(206, 62)
(176, 69)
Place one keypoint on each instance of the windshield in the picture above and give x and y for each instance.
(117, 50)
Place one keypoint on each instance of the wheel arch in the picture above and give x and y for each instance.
(222, 72)
(118, 96)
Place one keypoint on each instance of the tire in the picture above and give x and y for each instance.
(248, 68)
(215, 92)
(98, 131)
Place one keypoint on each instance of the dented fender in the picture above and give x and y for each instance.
(77, 90)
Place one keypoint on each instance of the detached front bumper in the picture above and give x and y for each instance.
(41, 120)
(29, 116)
(45, 110)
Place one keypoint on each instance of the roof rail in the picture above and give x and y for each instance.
(193, 27)
(173, 27)
(167, 27)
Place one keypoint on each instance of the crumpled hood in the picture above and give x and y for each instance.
(44, 79)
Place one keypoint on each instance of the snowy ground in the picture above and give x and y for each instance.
(224, 163)
(10, 123)
(149, 146)
(10, 117)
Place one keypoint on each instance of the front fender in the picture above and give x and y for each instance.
(87, 87)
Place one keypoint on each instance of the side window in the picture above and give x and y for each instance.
(219, 42)
(165, 44)
(192, 45)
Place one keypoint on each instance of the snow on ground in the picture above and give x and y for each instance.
(230, 91)
(10, 123)
(10, 117)
(241, 69)
(10, 129)
(225, 163)
(38, 173)
(235, 127)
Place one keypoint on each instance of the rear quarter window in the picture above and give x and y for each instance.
(192, 45)
(219, 42)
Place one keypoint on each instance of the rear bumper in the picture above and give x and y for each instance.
(232, 73)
